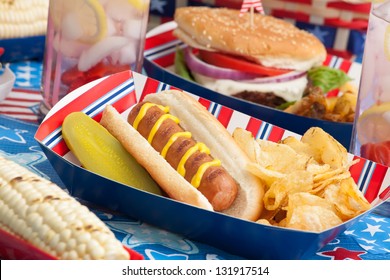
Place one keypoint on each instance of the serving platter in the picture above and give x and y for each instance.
(236, 236)
(159, 55)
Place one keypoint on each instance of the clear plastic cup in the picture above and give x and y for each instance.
(89, 39)
(371, 133)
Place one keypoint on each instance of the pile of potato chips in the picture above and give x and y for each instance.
(308, 185)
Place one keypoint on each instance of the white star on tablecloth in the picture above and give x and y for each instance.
(319, 33)
(157, 5)
(349, 232)
(372, 229)
(378, 220)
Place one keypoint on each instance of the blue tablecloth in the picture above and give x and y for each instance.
(368, 239)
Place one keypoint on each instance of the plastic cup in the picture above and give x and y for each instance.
(371, 132)
(90, 39)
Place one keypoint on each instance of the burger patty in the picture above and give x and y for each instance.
(263, 98)
(271, 100)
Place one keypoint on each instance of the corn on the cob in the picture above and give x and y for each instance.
(22, 18)
(40, 212)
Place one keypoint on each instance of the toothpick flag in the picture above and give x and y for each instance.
(250, 5)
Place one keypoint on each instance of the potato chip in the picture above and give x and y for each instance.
(247, 143)
(298, 146)
(334, 178)
(276, 196)
(263, 222)
(308, 183)
(347, 199)
(268, 176)
(328, 150)
(312, 218)
(310, 212)
(280, 157)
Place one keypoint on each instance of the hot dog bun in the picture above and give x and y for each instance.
(204, 128)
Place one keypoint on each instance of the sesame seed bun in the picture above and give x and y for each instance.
(269, 41)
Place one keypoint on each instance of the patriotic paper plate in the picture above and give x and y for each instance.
(159, 55)
(236, 236)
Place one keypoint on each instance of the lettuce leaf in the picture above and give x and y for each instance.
(327, 78)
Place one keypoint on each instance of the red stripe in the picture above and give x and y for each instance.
(205, 102)
(375, 182)
(225, 114)
(385, 194)
(17, 106)
(165, 61)
(254, 126)
(18, 113)
(159, 40)
(355, 24)
(327, 60)
(340, 53)
(233, 4)
(151, 86)
(99, 90)
(360, 8)
(300, 16)
(356, 169)
(300, 1)
(28, 91)
(276, 134)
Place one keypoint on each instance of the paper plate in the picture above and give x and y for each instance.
(236, 236)
(159, 55)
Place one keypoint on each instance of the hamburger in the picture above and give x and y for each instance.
(255, 57)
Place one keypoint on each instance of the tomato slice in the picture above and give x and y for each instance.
(232, 62)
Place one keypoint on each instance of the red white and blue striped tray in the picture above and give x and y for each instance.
(247, 239)
(160, 48)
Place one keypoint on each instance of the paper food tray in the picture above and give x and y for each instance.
(239, 237)
(160, 48)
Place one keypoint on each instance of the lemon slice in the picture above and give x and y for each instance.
(386, 42)
(373, 124)
(85, 20)
(140, 5)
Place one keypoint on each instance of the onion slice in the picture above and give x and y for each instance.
(199, 66)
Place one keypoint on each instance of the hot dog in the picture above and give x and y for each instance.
(149, 134)
(190, 158)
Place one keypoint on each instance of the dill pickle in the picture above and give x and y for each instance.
(100, 152)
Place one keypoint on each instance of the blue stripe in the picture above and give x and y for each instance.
(155, 53)
(268, 131)
(214, 110)
(366, 175)
(51, 138)
(163, 86)
(122, 89)
(262, 136)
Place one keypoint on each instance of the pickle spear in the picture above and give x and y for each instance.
(100, 152)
